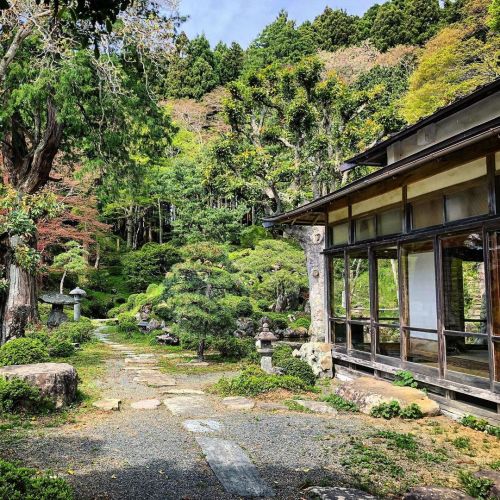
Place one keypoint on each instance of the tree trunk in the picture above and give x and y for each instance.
(160, 223)
(20, 306)
(201, 350)
(61, 284)
(311, 239)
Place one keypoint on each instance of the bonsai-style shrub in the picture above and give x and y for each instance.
(18, 483)
(149, 264)
(23, 351)
(299, 368)
(18, 396)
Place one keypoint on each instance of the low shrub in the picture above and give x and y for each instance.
(190, 341)
(299, 368)
(127, 324)
(253, 381)
(60, 347)
(479, 424)
(281, 354)
(18, 483)
(405, 378)
(23, 351)
(393, 409)
(232, 347)
(477, 487)
(340, 403)
(301, 322)
(78, 332)
(17, 396)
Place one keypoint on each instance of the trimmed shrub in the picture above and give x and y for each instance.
(190, 341)
(78, 332)
(18, 483)
(232, 347)
(250, 236)
(23, 351)
(60, 347)
(299, 368)
(127, 324)
(281, 354)
(301, 322)
(244, 308)
(18, 396)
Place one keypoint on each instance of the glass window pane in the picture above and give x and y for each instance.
(340, 234)
(423, 348)
(468, 355)
(361, 337)
(495, 281)
(389, 341)
(421, 283)
(359, 286)
(467, 203)
(387, 283)
(339, 333)
(464, 284)
(390, 222)
(365, 228)
(337, 280)
(426, 213)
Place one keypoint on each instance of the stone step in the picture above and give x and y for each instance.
(107, 404)
(317, 407)
(202, 426)
(238, 403)
(189, 406)
(146, 404)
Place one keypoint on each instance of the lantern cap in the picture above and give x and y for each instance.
(78, 291)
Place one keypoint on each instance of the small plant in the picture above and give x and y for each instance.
(295, 406)
(78, 332)
(461, 443)
(404, 378)
(495, 465)
(127, 325)
(401, 441)
(411, 412)
(477, 487)
(340, 403)
(21, 482)
(232, 347)
(393, 409)
(479, 424)
(299, 368)
(23, 351)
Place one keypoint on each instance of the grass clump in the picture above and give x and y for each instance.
(477, 487)
(340, 403)
(253, 381)
(393, 409)
(461, 443)
(479, 424)
(18, 483)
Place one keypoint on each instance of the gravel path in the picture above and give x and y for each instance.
(148, 454)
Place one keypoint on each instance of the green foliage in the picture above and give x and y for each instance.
(21, 483)
(461, 443)
(253, 381)
(494, 16)
(476, 487)
(23, 351)
(149, 264)
(26, 257)
(250, 236)
(404, 378)
(480, 424)
(127, 324)
(60, 347)
(78, 332)
(300, 369)
(340, 403)
(334, 28)
(293, 405)
(301, 322)
(400, 441)
(234, 348)
(72, 261)
(17, 396)
(393, 409)
(282, 353)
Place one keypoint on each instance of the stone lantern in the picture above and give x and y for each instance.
(78, 294)
(266, 338)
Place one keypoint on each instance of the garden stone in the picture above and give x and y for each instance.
(271, 406)
(238, 403)
(319, 357)
(368, 392)
(58, 301)
(108, 404)
(146, 404)
(494, 476)
(154, 379)
(140, 361)
(317, 407)
(244, 328)
(435, 493)
(189, 406)
(57, 381)
(202, 426)
(337, 493)
(183, 391)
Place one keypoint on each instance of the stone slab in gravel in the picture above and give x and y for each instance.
(233, 468)
(317, 407)
(271, 406)
(183, 391)
(202, 425)
(435, 493)
(107, 404)
(337, 493)
(57, 381)
(155, 380)
(146, 404)
(188, 406)
(238, 403)
(140, 361)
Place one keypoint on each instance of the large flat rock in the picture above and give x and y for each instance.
(317, 407)
(189, 406)
(368, 392)
(57, 381)
(238, 403)
(107, 404)
(202, 426)
(337, 493)
(237, 474)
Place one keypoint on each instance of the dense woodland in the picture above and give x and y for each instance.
(131, 160)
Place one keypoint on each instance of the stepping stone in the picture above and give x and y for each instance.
(183, 391)
(140, 369)
(317, 407)
(107, 404)
(155, 380)
(202, 425)
(271, 406)
(337, 493)
(188, 406)
(237, 474)
(140, 361)
(146, 404)
(238, 403)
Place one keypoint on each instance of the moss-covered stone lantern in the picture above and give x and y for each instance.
(266, 338)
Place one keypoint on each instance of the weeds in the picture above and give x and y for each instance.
(477, 487)
(340, 403)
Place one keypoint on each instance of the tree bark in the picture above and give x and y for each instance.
(61, 284)
(311, 240)
(201, 350)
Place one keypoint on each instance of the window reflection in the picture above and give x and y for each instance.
(337, 288)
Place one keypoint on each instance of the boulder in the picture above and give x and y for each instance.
(493, 476)
(58, 381)
(435, 493)
(319, 357)
(244, 328)
(368, 392)
(337, 493)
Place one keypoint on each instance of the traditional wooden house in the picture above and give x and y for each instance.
(413, 256)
